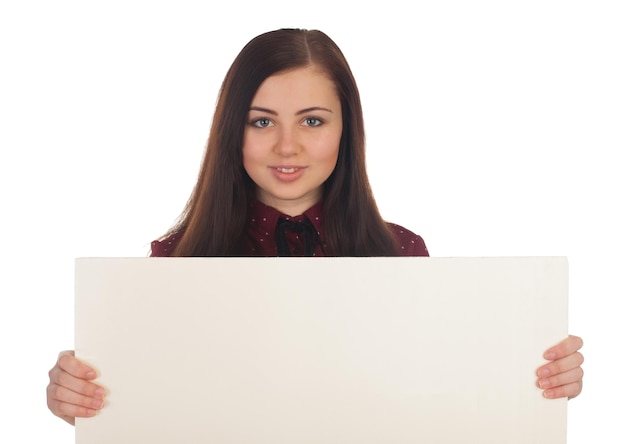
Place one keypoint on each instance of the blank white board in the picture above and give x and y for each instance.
(321, 350)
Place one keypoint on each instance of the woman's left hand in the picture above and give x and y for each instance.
(562, 376)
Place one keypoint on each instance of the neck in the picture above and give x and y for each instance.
(290, 207)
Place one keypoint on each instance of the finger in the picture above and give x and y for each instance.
(565, 391)
(77, 385)
(564, 348)
(561, 365)
(65, 397)
(68, 405)
(570, 377)
(68, 363)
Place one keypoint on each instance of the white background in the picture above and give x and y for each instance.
(494, 128)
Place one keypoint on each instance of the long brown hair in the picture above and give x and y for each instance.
(214, 220)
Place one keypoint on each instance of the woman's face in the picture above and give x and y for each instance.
(291, 140)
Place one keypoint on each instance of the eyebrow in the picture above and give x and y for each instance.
(302, 111)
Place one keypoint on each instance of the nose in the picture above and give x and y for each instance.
(288, 142)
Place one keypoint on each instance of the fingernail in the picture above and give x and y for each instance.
(99, 393)
(97, 403)
(544, 372)
(91, 375)
(91, 412)
(550, 356)
(544, 383)
(548, 394)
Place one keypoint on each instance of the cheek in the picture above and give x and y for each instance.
(250, 150)
(329, 149)
(249, 163)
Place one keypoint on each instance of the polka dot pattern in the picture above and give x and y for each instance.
(260, 237)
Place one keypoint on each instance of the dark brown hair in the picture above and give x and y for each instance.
(214, 220)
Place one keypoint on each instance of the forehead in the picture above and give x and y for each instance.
(306, 84)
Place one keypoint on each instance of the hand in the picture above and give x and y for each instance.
(70, 392)
(563, 376)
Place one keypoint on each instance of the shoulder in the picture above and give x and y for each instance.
(165, 247)
(410, 243)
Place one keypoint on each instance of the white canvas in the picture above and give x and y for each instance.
(321, 350)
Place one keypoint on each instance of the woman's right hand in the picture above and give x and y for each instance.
(71, 393)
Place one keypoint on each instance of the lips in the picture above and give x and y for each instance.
(288, 173)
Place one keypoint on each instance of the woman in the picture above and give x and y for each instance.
(284, 174)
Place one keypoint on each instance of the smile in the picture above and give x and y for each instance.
(287, 170)
(288, 173)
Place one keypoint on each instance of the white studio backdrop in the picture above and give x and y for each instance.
(493, 128)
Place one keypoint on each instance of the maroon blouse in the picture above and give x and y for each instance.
(264, 238)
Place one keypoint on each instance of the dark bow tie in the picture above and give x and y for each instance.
(305, 230)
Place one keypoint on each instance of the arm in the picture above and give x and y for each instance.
(70, 392)
(563, 375)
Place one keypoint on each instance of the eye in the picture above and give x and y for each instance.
(262, 122)
(313, 121)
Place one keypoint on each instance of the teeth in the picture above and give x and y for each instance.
(287, 170)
